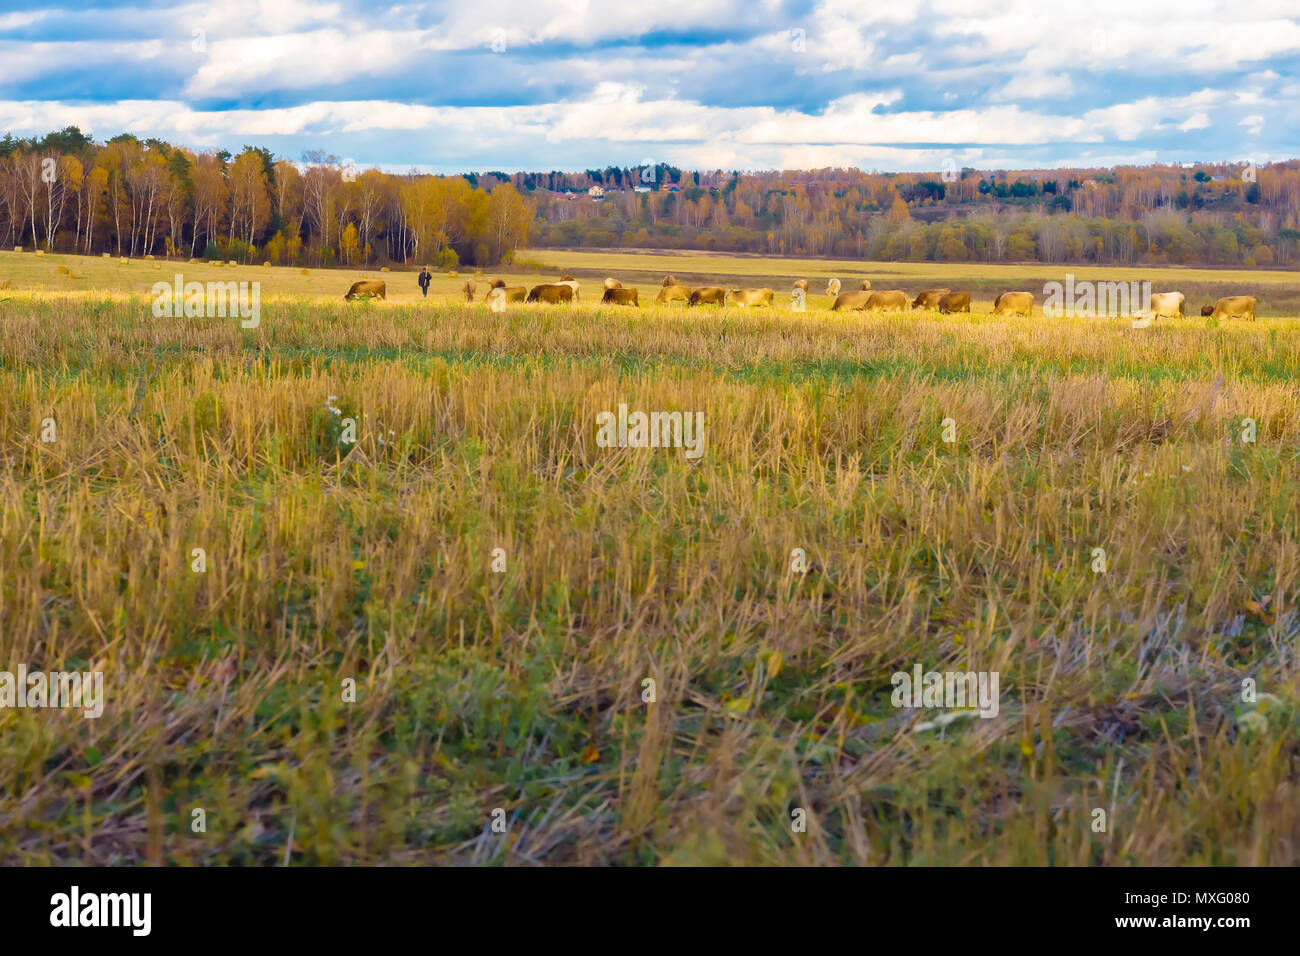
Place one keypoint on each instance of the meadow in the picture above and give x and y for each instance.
(515, 680)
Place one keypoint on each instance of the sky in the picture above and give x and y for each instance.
(699, 84)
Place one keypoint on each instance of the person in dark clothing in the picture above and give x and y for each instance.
(425, 279)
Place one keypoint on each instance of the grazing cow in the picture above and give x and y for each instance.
(834, 286)
(954, 302)
(367, 287)
(1234, 307)
(1167, 304)
(674, 293)
(929, 299)
(572, 284)
(506, 293)
(709, 295)
(498, 284)
(669, 280)
(746, 297)
(1014, 303)
(468, 289)
(851, 301)
(893, 300)
(551, 294)
(613, 284)
(1207, 310)
(619, 297)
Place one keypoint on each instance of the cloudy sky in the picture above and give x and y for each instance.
(731, 84)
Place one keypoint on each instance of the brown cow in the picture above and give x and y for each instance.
(619, 297)
(613, 284)
(566, 278)
(709, 295)
(892, 300)
(367, 287)
(674, 293)
(851, 301)
(572, 284)
(468, 289)
(747, 297)
(1014, 303)
(669, 280)
(1235, 307)
(498, 284)
(865, 285)
(929, 299)
(551, 294)
(1207, 310)
(954, 302)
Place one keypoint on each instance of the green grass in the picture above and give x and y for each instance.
(522, 690)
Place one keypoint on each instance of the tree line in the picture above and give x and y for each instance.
(131, 197)
(1211, 214)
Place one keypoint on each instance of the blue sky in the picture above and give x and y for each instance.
(504, 84)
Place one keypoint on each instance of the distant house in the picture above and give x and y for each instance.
(669, 188)
(640, 189)
(595, 192)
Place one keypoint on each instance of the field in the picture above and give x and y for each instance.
(515, 680)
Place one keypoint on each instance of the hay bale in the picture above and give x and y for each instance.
(122, 261)
(148, 258)
(158, 266)
(107, 255)
(73, 275)
(194, 260)
(18, 248)
(63, 270)
(454, 274)
(385, 269)
(305, 272)
(40, 252)
(266, 265)
(230, 262)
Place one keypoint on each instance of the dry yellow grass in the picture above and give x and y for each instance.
(522, 690)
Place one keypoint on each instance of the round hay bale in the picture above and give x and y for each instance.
(18, 248)
(148, 258)
(63, 270)
(305, 272)
(122, 261)
(266, 265)
(40, 252)
(230, 262)
(385, 269)
(454, 274)
(217, 263)
(107, 255)
(194, 260)
(158, 266)
(73, 275)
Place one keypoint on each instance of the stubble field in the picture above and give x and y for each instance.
(523, 690)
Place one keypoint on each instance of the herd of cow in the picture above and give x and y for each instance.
(862, 299)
